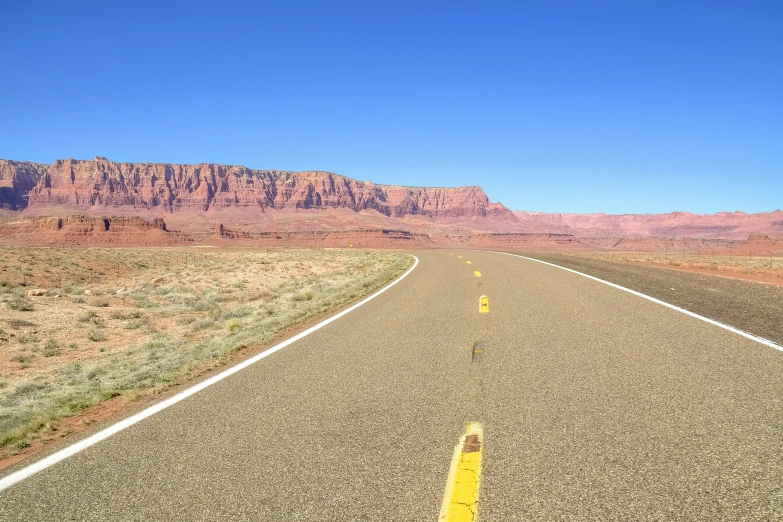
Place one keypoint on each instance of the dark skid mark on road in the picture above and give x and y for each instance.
(477, 353)
(475, 382)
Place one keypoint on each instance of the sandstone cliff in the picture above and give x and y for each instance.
(17, 179)
(168, 188)
(81, 230)
(723, 225)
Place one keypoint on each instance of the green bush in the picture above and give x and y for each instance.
(125, 316)
(72, 289)
(51, 348)
(134, 325)
(143, 302)
(96, 335)
(100, 302)
(233, 325)
(92, 318)
(215, 313)
(20, 303)
(27, 338)
(303, 296)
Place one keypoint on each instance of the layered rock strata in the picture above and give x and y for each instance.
(170, 188)
(78, 230)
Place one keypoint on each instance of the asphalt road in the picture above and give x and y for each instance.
(756, 308)
(595, 404)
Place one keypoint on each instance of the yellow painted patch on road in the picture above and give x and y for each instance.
(460, 501)
(459, 257)
(477, 273)
(483, 304)
(468, 262)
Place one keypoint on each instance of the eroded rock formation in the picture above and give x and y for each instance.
(76, 230)
(17, 179)
(166, 187)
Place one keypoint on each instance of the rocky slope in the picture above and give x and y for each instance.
(89, 230)
(168, 188)
(723, 225)
(17, 179)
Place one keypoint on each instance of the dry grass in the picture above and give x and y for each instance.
(134, 321)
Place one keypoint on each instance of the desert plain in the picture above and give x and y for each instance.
(82, 326)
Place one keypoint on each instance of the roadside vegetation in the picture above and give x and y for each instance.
(80, 326)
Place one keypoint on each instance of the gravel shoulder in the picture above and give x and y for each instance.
(753, 307)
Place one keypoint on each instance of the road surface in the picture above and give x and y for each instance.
(594, 403)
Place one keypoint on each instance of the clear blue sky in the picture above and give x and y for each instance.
(552, 106)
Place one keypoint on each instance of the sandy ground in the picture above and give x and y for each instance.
(759, 269)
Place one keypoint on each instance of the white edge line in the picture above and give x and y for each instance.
(737, 331)
(73, 449)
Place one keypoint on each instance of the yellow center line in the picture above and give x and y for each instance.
(477, 273)
(468, 262)
(483, 304)
(460, 500)
(459, 257)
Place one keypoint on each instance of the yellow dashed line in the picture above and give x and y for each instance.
(477, 273)
(460, 501)
(483, 304)
(468, 262)
(459, 257)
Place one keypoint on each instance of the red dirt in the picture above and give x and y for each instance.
(757, 275)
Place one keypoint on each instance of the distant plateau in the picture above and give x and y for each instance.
(101, 202)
